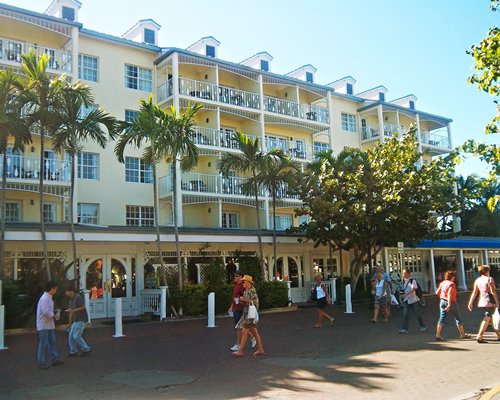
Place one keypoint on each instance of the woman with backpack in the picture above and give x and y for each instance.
(322, 299)
(447, 292)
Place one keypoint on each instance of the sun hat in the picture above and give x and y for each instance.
(247, 278)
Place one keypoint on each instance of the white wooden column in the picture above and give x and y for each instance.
(485, 257)
(262, 144)
(330, 113)
(380, 114)
(461, 270)
(432, 268)
(178, 197)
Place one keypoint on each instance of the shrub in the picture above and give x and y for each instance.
(272, 294)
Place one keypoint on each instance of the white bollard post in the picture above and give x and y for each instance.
(2, 320)
(86, 298)
(163, 303)
(211, 310)
(348, 304)
(118, 318)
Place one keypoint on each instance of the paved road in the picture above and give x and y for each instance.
(355, 359)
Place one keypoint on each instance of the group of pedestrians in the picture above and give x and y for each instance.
(46, 316)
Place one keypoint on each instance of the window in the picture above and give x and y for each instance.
(230, 220)
(49, 212)
(88, 166)
(264, 65)
(130, 115)
(319, 146)
(283, 222)
(140, 216)
(412, 105)
(136, 170)
(13, 212)
(210, 51)
(349, 122)
(68, 13)
(149, 36)
(86, 110)
(348, 88)
(381, 96)
(138, 78)
(309, 77)
(87, 68)
(88, 213)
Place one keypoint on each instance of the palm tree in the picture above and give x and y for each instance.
(248, 161)
(279, 173)
(75, 128)
(41, 96)
(170, 138)
(11, 126)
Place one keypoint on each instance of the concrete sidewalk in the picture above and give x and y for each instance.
(184, 359)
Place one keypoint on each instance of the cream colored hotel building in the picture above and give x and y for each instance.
(114, 201)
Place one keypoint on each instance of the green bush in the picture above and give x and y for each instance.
(251, 266)
(272, 294)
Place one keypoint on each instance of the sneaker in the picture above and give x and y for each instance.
(423, 329)
(403, 331)
(254, 342)
(57, 363)
(72, 355)
(236, 347)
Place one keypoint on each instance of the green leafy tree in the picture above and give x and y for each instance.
(278, 173)
(487, 58)
(41, 97)
(12, 129)
(74, 129)
(248, 160)
(364, 201)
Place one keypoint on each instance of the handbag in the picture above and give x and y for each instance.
(314, 294)
(496, 319)
(252, 312)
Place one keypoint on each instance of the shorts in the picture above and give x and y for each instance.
(236, 316)
(321, 303)
(381, 300)
(488, 312)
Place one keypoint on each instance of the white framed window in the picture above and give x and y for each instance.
(49, 212)
(230, 220)
(88, 68)
(88, 166)
(88, 213)
(138, 78)
(86, 110)
(320, 146)
(282, 222)
(349, 122)
(13, 211)
(136, 170)
(140, 215)
(130, 115)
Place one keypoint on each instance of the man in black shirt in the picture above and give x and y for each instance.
(77, 318)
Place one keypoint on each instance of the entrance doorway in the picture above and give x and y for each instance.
(108, 278)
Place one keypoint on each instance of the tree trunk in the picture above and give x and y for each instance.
(275, 252)
(176, 232)
(259, 234)
(2, 214)
(40, 193)
(76, 273)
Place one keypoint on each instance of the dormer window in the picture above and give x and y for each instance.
(210, 51)
(348, 88)
(412, 105)
(68, 13)
(309, 77)
(264, 65)
(381, 96)
(149, 36)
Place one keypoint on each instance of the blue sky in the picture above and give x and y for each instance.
(415, 47)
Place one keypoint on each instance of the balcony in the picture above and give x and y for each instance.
(297, 110)
(373, 132)
(27, 169)
(217, 93)
(439, 139)
(211, 137)
(212, 184)
(296, 149)
(60, 61)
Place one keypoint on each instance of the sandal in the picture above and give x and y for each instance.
(373, 320)
(259, 354)
(439, 338)
(331, 322)
(237, 354)
(481, 340)
(317, 326)
(465, 336)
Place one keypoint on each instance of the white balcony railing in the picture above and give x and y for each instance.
(28, 169)
(211, 137)
(11, 51)
(294, 109)
(295, 149)
(438, 138)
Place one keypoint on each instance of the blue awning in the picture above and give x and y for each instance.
(462, 243)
